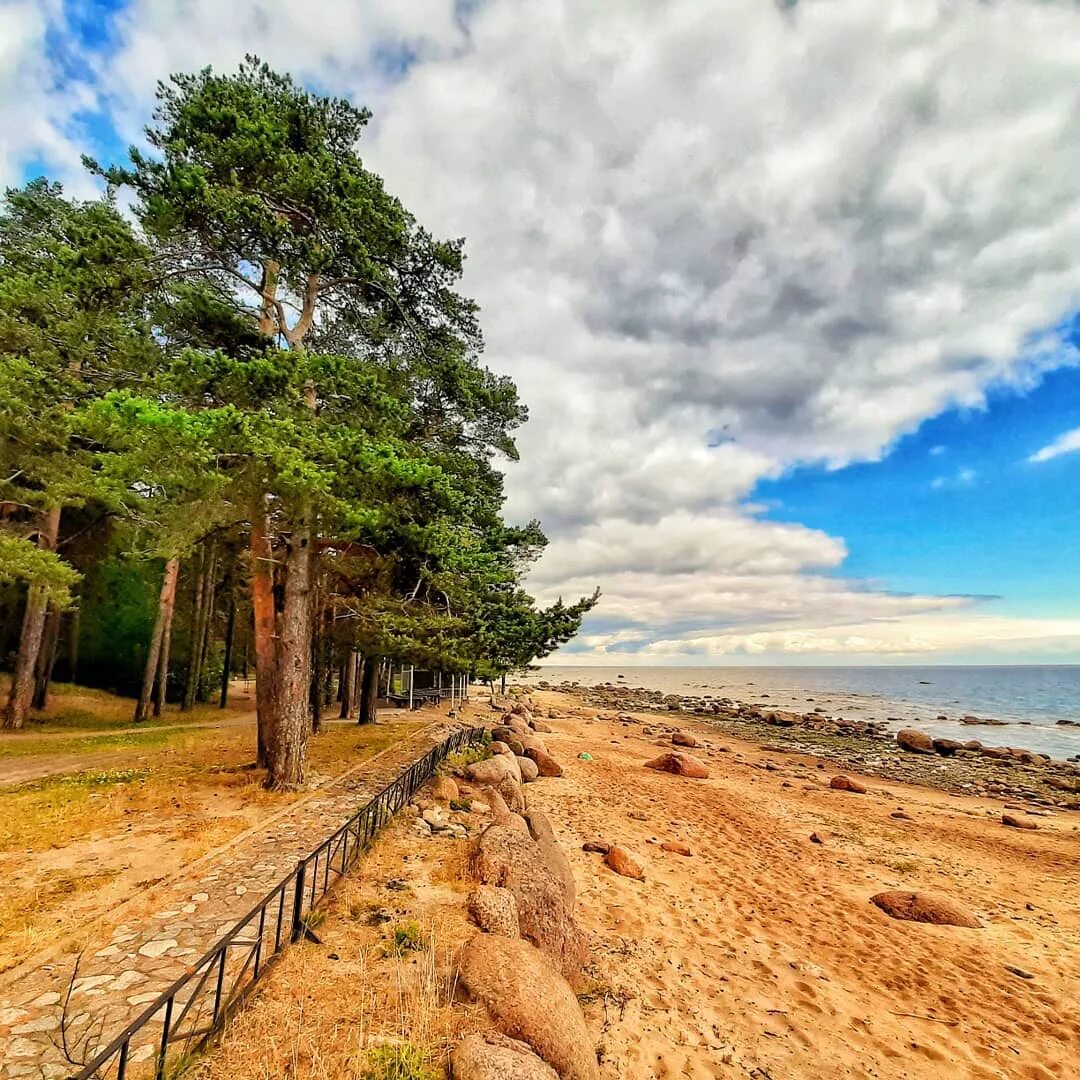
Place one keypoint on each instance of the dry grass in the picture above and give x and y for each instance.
(73, 846)
(361, 1006)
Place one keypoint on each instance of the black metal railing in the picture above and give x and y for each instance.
(162, 1039)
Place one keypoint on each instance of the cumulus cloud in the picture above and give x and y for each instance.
(710, 242)
(1063, 444)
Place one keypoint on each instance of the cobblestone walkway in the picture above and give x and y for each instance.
(133, 964)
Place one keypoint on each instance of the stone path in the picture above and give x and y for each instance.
(133, 964)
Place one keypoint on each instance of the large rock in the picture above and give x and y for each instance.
(924, 908)
(493, 769)
(494, 910)
(546, 765)
(505, 733)
(947, 747)
(541, 831)
(539, 725)
(529, 1000)
(684, 738)
(499, 747)
(915, 742)
(846, 783)
(512, 794)
(443, 788)
(1015, 822)
(625, 862)
(505, 858)
(501, 814)
(680, 764)
(495, 1057)
(529, 769)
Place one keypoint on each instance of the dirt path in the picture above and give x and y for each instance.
(129, 958)
(760, 956)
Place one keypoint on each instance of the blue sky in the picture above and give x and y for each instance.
(844, 235)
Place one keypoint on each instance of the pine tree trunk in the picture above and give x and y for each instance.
(206, 632)
(290, 723)
(315, 689)
(369, 690)
(161, 690)
(264, 632)
(348, 671)
(230, 630)
(153, 656)
(195, 632)
(73, 645)
(33, 627)
(47, 657)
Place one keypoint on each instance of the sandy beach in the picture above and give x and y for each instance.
(761, 954)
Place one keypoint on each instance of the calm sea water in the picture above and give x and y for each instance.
(1031, 698)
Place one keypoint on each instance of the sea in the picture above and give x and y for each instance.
(1030, 698)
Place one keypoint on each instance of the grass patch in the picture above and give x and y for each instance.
(407, 938)
(404, 1062)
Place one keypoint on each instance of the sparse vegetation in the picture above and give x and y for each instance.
(404, 1061)
(407, 938)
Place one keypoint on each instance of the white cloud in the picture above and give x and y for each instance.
(710, 241)
(1063, 444)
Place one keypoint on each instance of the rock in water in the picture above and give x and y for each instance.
(846, 783)
(530, 1001)
(684, 738)
(915, 742)
(625, 863)
(494, 910)
(1015, 822)
(924, 908)
(495, 1057)
(679, 764)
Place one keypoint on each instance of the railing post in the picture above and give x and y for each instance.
(298, 901)
(159, 1072)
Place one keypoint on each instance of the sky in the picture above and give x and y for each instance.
(791, 288)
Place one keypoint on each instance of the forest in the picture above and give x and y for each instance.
(245, 426)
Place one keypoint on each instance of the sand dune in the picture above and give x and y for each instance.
(761, 955)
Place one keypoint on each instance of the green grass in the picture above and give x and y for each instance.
(404, 1062)
(25, 745)
(407, 938)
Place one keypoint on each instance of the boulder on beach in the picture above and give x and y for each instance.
(495, 1057)
(924, 908)
(510, 860)
(493, 769)
(499, 747)
(947, 747)
(625, 863)
(546, 765)
(915, 742)
(684, 738)
(601, 846)
(1015, 822)
(529, 771)
(529, 1000)
(494, 910)
(539, 725)
(679, 764)
(541, 831)
(443, 788)
(846, 783)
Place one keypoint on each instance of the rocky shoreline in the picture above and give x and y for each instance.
(871, 746)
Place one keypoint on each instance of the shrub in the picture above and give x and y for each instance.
(405, 1061)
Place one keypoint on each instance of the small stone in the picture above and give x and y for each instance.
(846, 783)
(157, 948)
(49, 998)
(600, 846)
(240, 890)
(625, 863)
(200, 897)
(677, 847)
(902, 815)
(815, 838)
(42, 1023)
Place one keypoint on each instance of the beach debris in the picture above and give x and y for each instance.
(495, 1057)
(625, 863)
(1019, 972)
(585, 756)
(529, 1000)
(915, 742)
(679, 764)
(846, 783)
(494, 910)
(684, 738)
(602, 847)
(1015, 822)
(677, 847)
(924, 908)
